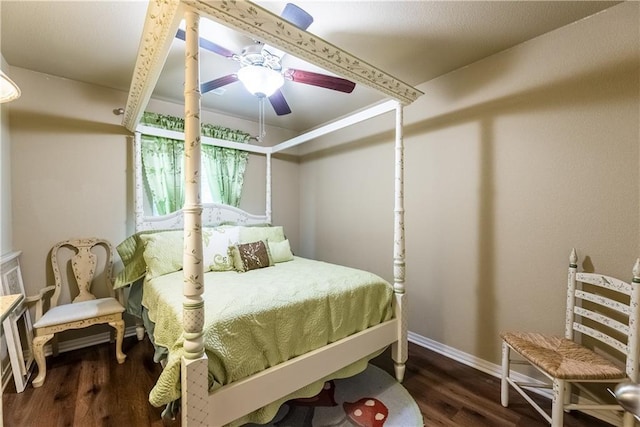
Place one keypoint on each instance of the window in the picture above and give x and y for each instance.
(222, 174)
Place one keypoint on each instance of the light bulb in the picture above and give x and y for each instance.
(260, 81)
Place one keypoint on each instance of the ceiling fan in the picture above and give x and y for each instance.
(261, 69)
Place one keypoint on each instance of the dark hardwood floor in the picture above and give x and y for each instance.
(88, 388)
(452, 394)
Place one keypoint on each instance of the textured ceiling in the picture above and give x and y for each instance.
(415, 41)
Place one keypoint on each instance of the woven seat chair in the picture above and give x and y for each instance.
(601, 307)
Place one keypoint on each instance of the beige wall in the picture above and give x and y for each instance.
(510, 162)
(5, 175)
(71, 169)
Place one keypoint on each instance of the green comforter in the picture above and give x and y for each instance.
(257, 319)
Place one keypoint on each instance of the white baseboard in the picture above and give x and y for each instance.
(470, 360)
(496, 370)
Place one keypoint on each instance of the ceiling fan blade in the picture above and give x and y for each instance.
(219, 82)
(206, 44)
(297, 16)
(279, 104)
(321, 80)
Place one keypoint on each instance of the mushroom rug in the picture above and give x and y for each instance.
(370, 399)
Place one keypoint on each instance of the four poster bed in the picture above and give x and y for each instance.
(221, 381)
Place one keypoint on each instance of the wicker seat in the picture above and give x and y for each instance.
(601, 307)
(562, 358)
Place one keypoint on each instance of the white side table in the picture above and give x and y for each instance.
(8, 303)
(18, 330)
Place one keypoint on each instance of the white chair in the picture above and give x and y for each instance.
(601, 307)
(85, 310)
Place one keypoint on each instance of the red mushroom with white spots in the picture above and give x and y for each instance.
(366, 412)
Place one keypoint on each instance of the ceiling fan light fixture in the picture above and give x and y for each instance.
(260, 81)
(8, 89)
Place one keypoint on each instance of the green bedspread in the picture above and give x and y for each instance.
(257, 319)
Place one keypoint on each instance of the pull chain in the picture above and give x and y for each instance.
(261, 126)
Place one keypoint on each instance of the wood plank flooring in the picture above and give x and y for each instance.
(452, 394)
(87, 388)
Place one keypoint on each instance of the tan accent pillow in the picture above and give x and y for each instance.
(250, 256)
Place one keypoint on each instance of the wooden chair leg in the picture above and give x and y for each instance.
(504, 384)
(557, 406)
(38, 355)
(54, 346)
(119, 327)
(567, 395)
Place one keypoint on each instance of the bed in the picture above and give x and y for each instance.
(254, 319)
(227, 396)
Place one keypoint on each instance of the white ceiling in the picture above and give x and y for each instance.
(415, 41)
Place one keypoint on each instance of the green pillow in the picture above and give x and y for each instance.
(131, 252)
(280, 251)
(159, 252)
(253, 234)
(163, 252)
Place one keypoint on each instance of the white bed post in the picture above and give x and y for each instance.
(399, 349)
(194, 362)
(138, 205)
(137, 180)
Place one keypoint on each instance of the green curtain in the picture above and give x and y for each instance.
(162, 168)
(225, 167)
(163, 160)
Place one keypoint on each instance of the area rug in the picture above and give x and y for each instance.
(370, 399)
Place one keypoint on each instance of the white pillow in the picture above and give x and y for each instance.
(215, 245)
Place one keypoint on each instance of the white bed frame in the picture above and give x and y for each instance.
(228, 403)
